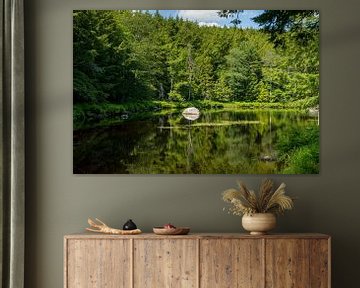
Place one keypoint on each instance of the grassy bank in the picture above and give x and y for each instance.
(299, 150)
(93, 113)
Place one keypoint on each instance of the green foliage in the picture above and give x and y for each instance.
(85, 113)
(304, 160)
(304, 103)
(85, 90)
(103, 68)
(175, 96)
(243, 72)
(299, 150)
(127, 56)
(301, 23)
(181, 91)
(295, 138)
(222, 92)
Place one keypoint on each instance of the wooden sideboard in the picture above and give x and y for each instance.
(197, 260)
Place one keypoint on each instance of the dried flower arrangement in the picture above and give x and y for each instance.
(247, 202)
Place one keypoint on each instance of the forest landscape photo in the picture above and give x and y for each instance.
(196, 92)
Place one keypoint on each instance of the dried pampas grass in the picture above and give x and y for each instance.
(245, 201)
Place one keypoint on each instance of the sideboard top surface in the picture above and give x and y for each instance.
(87, 235)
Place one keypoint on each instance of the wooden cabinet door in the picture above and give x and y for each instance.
(320, 263)
(165, 263)
(98, 263)
(296, 263)
(231, 263)
(287, 263)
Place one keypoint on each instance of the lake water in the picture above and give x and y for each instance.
(218, 142)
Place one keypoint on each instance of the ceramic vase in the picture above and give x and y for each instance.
(259, 223)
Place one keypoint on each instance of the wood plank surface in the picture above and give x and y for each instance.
(205, 260)
(89, 235)
(287, 263)
(98, 264)
(231, 263)
(319, 263)
(166, 263)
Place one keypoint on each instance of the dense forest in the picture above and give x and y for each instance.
(129, 56)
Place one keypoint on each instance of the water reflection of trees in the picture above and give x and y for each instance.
(169, 144)
(108, 150)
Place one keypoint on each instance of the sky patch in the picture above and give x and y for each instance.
(211, 17)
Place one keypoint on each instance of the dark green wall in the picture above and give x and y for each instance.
(59, 202)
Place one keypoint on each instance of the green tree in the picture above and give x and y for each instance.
(133, 56)
(243, 72)
(302, 23)
(102, 70)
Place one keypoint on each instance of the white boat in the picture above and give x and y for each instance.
(191, 113)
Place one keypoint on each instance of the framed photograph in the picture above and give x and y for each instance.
(196, 92)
